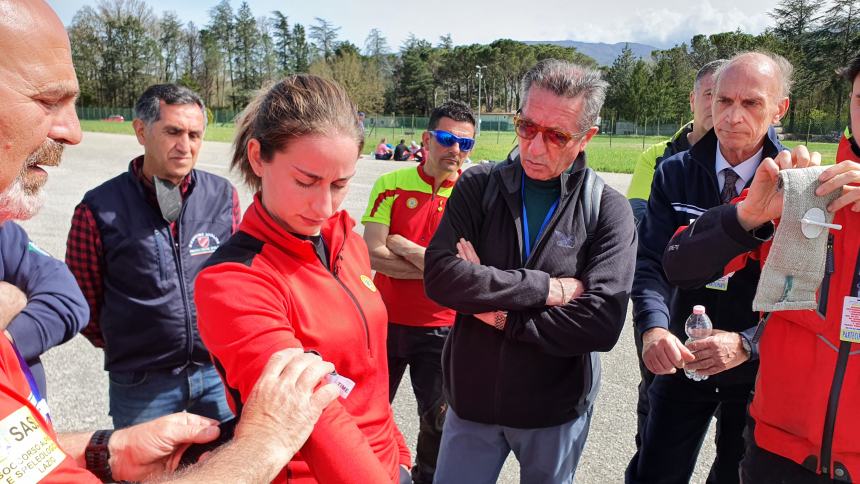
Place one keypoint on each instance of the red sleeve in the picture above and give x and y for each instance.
(242, 331)
(237, 211)
(403, 449)
(84, 258)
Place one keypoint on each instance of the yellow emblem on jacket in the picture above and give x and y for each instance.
(368, 282)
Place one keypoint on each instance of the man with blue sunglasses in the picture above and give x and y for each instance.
(405, 208)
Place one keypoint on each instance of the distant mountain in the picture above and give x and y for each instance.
(604, 54)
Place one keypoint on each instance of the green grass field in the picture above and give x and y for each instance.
(615, 154)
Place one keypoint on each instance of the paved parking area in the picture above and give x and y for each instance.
(78, 385)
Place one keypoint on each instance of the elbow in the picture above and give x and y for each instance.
(433, 286)
(608, 339)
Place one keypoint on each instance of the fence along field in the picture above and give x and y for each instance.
(615, 154)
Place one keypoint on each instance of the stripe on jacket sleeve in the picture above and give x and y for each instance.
(686, 208)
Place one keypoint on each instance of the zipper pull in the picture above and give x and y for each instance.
(337, 262)
(830, 264)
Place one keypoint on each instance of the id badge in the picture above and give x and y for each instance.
(721, 284)
(850, 328)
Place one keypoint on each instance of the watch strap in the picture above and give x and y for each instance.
(97, 455)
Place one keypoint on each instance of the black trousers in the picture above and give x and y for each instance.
(680, 414)
(421, 350)
(646, 378)
(760, 465)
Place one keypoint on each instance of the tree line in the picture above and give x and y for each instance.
(121, 46)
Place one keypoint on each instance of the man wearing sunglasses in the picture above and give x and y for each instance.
(405, 208)
(537, 293)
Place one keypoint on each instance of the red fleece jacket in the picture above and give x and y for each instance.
(266, 290)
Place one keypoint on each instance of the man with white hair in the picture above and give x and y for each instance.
(38, 88)
(750, 95)
(803, 423)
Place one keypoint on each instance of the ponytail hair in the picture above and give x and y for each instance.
(299, 105)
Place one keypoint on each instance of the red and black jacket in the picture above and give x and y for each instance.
(266, 290)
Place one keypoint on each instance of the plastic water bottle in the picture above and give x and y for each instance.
(698, 326)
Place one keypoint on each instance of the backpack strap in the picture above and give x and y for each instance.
(490, 191)
(590, 195)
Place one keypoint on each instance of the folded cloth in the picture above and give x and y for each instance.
(795, 265)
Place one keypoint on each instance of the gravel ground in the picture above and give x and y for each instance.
(78, 385)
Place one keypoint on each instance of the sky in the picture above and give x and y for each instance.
(663, 23)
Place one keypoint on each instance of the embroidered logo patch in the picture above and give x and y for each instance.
(203, 243)
(368, 282)
(411, 202)
(564, 240)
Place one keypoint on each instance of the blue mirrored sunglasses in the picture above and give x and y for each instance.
(447, 140)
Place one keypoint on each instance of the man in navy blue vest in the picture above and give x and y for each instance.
(135, 247)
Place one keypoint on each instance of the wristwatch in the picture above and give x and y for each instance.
(745, 343)
(97, 455)
(500, 319)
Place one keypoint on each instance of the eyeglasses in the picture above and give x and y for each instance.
(529, 129)
(447, 140)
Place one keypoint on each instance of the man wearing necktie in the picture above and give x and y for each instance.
(750, 95)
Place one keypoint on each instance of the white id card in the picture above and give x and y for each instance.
(343, 384)
(850, 329)
(721, 284)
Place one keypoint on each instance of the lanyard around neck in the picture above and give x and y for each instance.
(36, 399)
(526, 237)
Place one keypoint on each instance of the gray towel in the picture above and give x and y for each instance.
(795, 265)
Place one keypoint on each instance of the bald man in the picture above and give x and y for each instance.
(38, 88)
(750, 94)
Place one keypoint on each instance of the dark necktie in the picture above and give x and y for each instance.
(730, 190)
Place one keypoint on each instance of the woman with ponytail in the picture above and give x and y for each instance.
(296, 275)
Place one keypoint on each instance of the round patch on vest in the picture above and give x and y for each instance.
(412, 202)
(203, 243)
(368, 282)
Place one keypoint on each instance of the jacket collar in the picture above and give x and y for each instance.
(705, 151)
(431, 181)
(511, 173)
(135, 169)
(258, 223)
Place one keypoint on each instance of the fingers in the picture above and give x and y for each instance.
(324, 395)
(470, 251)
(278, 361)
(850, 195)
(838, 168)
(801, 157)
(466, 251)
(574, 285)
(837, 179)
(657, 360)
(313, 373)
(783, 159)
(686, 355)
(816, 159)
(297, 366)
(202, 435)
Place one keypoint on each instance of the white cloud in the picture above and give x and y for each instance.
(664, 27)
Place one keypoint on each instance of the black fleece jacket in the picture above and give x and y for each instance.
(541, 370)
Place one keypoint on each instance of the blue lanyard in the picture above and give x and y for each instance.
(526, 237)
(36, 399)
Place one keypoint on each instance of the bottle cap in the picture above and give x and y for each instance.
(698, 309)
